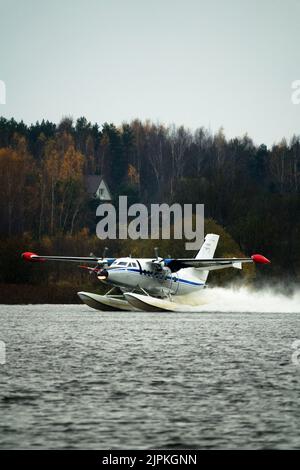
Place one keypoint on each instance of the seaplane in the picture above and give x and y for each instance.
(150, 284)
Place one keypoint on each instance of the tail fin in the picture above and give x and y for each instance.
(206, 251)
(209, 246)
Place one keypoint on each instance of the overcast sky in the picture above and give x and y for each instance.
(209, 63)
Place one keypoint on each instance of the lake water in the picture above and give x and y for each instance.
(78, 378)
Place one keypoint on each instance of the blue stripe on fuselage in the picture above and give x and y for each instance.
(183, 281)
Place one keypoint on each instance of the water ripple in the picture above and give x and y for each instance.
(77, 378)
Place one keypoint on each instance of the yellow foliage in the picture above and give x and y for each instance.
(72, 165)
(133, 174)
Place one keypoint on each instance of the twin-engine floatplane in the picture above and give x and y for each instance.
(150, 284)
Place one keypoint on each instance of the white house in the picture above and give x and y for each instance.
(97, 188)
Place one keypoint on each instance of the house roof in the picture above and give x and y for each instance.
(92, 183)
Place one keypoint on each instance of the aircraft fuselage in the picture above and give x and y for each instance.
(129, 274)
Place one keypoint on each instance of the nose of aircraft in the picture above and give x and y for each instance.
(102, 275)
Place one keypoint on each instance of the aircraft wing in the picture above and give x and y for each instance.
(33, 257)
(213, 263)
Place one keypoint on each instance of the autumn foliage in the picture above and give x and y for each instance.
(251, 191)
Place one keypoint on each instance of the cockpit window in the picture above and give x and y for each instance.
(134, 264)
(122, 263)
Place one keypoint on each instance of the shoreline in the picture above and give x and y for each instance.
(24, 294)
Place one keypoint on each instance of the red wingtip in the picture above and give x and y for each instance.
(260, 259)
(28, 256)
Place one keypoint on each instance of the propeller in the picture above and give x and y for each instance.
(91, 270)
(102, 263)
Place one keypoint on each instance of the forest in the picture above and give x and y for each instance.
(250, 192)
